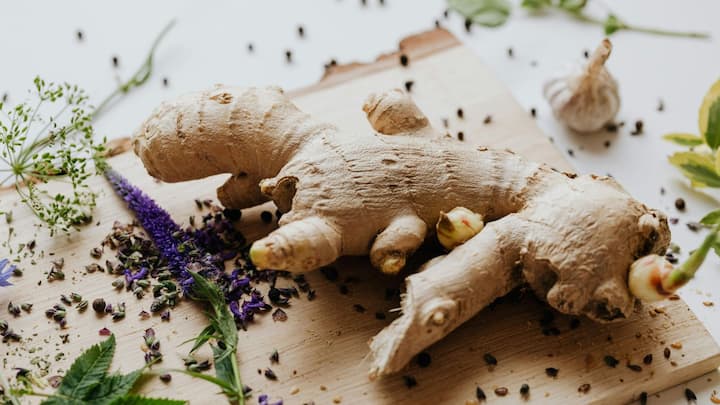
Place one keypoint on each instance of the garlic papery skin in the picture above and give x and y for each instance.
(586, 97)
(457, 226)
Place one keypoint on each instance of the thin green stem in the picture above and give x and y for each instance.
(683, 273)
(236, 374)
(579, 15)
(140, 77)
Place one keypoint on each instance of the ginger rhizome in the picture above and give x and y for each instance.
(571, 238)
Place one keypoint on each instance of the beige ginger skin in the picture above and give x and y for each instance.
(571, 238)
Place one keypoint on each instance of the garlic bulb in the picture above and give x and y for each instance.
(586, 98)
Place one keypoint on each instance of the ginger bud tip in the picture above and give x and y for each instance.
(438, 318)
(457, 226)
(647, 278)
(260, 255)
(392, 264)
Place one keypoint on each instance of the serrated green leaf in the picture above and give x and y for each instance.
(712, 133)
(490, 13)
(712, 218)
(612, 24)
(699, 168)
(138, 400)
(684, 139)
(88, 370)
(113, 387)
(535, 5)
(573, 5)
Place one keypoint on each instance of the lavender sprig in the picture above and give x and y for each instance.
(196, 270)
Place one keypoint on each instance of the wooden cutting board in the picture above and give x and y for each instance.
(323, 344)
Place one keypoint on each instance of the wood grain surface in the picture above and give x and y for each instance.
(323, 344)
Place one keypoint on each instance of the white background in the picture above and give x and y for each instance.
(209, 45)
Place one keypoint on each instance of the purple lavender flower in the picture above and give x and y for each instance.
(166, 234)
(6, 272)
(130, 277)
(263, 400)
(203, 251)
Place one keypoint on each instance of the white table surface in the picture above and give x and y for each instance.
(209, 45)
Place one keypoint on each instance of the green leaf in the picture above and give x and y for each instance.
(699, 168)
(613, 24)
(88, 370)
(712, 218)
(535, 5)
(684, 139)
(224, 385)
(113, 387)
(573, 5)
(224, 370)
(138, 400)
(202, 338)
(716, 248)
(712, 134)
(490, 13)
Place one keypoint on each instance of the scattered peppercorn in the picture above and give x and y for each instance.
(680, 204)
(408, 85)
(643, 398)
(638, 128)
(666, 352)
(79, 35)
(288, 56)
(274, 357)
(166, 378)
(468, 25)
(270, 375)
(607, 144)
(552, 372)
(634, 367)
(501, 391)
(480, 394)
(461, 136)
(490, 359)
(611, 127)
(584, 388)
(661, 105)
(424, 359)
(648, 359)
(115, 61)
(460, 113)
(533, 112)
(404, 60)
(611, 361)
(487, 120)
(586, 54)
(409, 381)
(98, 305)
(510, 52)
(524, 390)
(571, 152)
(266, 217)
(693, 226)
(165, 82)
(301, 31)
(250, 47)
(690, 395)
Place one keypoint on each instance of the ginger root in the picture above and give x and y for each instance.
(571, 238)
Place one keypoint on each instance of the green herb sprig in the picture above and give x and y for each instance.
(493, 13)
(88, 382)
(223, 330)
(700, 163)
(53, 138)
